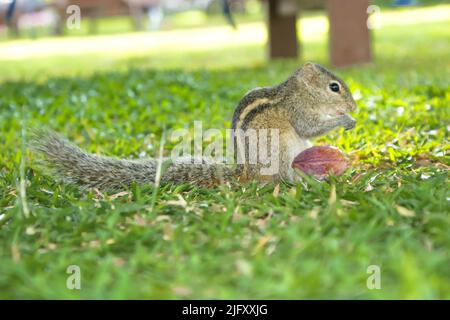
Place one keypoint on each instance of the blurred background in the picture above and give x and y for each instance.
(40, 38)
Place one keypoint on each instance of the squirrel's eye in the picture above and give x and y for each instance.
(334, 86)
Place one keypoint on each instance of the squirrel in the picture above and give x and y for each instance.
(310, 103)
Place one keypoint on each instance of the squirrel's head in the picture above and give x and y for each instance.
(329, 95)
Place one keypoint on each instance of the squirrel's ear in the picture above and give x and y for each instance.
(309, 66)
(308, 72)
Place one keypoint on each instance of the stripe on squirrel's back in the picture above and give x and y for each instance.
(251, 100)
(253, 113)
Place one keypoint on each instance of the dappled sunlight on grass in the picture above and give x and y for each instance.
(136, 43)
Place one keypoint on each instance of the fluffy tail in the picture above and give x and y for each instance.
(73, 165)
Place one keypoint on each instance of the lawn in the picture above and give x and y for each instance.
(311, 240)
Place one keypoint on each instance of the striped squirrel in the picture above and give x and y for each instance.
(310, 103)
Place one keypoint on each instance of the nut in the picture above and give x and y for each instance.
(320, 161)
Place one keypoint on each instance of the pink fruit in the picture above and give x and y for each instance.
(319, 161)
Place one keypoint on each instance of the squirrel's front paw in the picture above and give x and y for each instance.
(348, 122)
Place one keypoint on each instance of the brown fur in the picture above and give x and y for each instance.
(299, 109)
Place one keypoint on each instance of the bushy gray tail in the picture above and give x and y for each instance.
(73, 165)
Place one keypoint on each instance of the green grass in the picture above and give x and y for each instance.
(312, 240)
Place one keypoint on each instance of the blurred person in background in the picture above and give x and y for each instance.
(26, 14)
